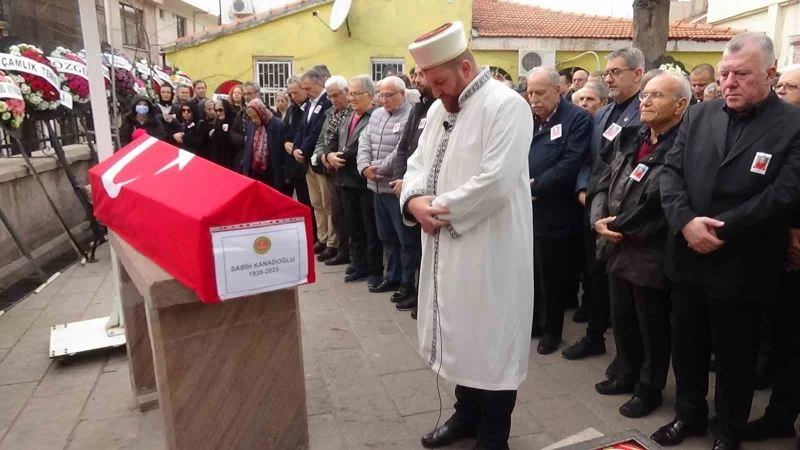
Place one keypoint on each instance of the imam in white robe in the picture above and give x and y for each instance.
(475, 307)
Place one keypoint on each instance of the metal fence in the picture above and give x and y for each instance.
(35, 135)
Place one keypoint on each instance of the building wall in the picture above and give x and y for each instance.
(786, 23)
(380, 28)
(724, 9)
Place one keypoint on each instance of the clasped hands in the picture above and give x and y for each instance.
(426, 214)
(601, 227)
(701, 234)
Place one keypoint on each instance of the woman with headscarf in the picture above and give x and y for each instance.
(262, 143)
(167, 113)
(191, 136)
(142, 116)
(220, 134)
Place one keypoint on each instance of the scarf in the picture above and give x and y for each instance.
(260, 150)
(336, 119)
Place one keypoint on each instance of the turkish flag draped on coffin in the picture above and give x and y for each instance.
(164, 202)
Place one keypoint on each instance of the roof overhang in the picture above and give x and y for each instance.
(582, 44)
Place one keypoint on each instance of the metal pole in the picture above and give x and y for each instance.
(100, 117)
(219, 18)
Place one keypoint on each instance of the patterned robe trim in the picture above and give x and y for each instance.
(431, 188)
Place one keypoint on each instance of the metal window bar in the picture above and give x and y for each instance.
(379, 66)
(36, 137)
(272, 76)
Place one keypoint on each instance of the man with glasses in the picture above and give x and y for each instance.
(632, 230)
(788, 87)
(623, 76)
(377, 142)
(729, 187)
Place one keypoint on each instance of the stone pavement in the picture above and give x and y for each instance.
(366, 386)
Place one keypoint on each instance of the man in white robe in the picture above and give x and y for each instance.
(467, 186)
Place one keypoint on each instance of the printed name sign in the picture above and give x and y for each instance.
(70, 67)
(22, 64)
(259, 257)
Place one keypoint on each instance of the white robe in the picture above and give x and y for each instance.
(476, 289)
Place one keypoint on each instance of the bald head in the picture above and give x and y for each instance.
(788, 87)
(579, 79)
(664, 100)
(543, 91)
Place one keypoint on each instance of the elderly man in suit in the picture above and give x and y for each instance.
(728, 188)
(623, 76)
(559, 147)
(304, 142)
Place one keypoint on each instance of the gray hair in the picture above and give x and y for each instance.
(396, 82)
(707, 68)
(294, 79)
(711, 89)
(337, 81)
(366, 83)
(599, 88)
(684, 88)
(253, 85)
(553, 76)
(650, 75)
(764, 43)
(323, 70)
(634, 58)
(313, 76)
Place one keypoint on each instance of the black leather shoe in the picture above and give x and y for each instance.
(584, 348)
(725, 445)
(356, 274)
(580, 316)
(414, 313)
(765, 428)
(639, 406)
(548, 344)
(537, 331)
(327, 254)
(339, 259)
(373, 281)
(407, 305)
(318, 248)
(447, 434)
(403, 293)
(615, 387)
(676, 432)
(350, 269)
(383, 286)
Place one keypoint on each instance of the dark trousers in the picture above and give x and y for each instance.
(299, 187)
(338, 216)
(640, 317)
(784, 402)
(365, 247)
(488, 411)
(595, 286)
(553, 266)
(402, 243)
(733, 326)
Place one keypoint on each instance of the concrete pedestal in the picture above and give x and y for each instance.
(228, 376)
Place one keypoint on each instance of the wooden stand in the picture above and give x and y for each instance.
(228, 375)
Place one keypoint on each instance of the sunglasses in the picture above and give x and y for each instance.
(186, 110)
(219, 110)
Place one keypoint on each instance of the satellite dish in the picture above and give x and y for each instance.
(339, 13)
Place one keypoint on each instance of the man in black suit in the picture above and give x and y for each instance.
(623, 76)
(729, 185)
(305, 140)
(559, 147)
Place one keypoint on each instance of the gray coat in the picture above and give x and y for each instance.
(379, 140)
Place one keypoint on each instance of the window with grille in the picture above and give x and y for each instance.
(181, 24)
(383, 67)
(271, 75)
(132, 27)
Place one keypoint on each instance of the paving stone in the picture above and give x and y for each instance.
(530, 441)
(45, 423)
(324, 433)
(111, 397)
(317, 398)
(523, 422)
(12, 398)
(117, 360)
(565, 415)
(34, 301)
(3, 353)
(14, 323)
(330, 332)
(371, 328)
(391, 353)
(81, 284)
(105, 434)
(100, 269)
(415, 392)
(151, 436)
(80, 375)
(25, 362)
(366, 307)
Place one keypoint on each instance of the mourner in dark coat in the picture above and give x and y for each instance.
(143, 115)
(728, 188)
(632, 231)
(220, 135)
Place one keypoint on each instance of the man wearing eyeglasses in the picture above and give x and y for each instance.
(632, 230)
(377, 142)
(623, 76)
(729, 186)
(788, 87)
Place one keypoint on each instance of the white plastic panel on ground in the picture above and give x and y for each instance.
(70, 339)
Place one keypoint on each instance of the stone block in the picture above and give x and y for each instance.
(45, 423)
(78, 376)
(416, 392)
(324, 433)
(391, 353)
(116, 433)
(12, 399)
(25, 362)
(14, 323)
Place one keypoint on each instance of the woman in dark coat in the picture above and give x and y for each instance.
(220, 134)
(143, 115)
(191, 136)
